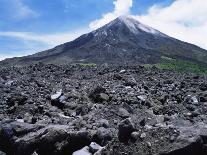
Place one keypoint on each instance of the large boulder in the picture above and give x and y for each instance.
(192, 140)
(126, 127)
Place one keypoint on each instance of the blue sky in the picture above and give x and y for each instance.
(28, 26)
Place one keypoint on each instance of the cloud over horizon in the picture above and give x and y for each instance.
(49, 39)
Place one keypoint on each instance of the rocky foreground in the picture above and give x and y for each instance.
(63, 110)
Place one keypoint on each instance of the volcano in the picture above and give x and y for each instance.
(122, 41)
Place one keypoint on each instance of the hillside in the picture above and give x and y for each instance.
(122, 41)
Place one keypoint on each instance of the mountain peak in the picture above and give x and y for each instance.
(135, 26)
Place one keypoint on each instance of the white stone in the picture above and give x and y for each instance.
(94, 147)
(83, 151)
(57, 95)
(122, 71)
(20, 120)
(143, 135)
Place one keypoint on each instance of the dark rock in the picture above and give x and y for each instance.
(99, 94)
(203, 87)
(102, 136)
(8, 133)
(58, 100)
(203, 96)
(16, 98)
(77, 140)
(117, 77)
(126, 127)
(142, 122)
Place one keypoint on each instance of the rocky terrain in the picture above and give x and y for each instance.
(103, 110)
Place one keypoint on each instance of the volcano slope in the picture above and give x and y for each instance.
(122, 41)
(74, 109)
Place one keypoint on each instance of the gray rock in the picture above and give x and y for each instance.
(191, 140)
(135, 135)
(149, 144)
(123, 113)
(103, 135)
(143, 135)
(104, 97)
(2, 153)
(104, 123)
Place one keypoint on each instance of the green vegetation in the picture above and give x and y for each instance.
(87, 64)
(180, 66)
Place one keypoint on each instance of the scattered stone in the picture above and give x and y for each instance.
(122, 71)
(57, 95)
(94, 147)
(104, 97)
(102, 136)
(143, 135)
(99, 94)
(142, 97)
(104, 123)
(192, 99)
(135, 135)
(63, 123)
(149, 144)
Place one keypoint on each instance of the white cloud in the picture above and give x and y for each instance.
(33, 42)
(49, 39)
(22, 10)
(2, 56)
(17, 10)
(183, 19)
(121, 7)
